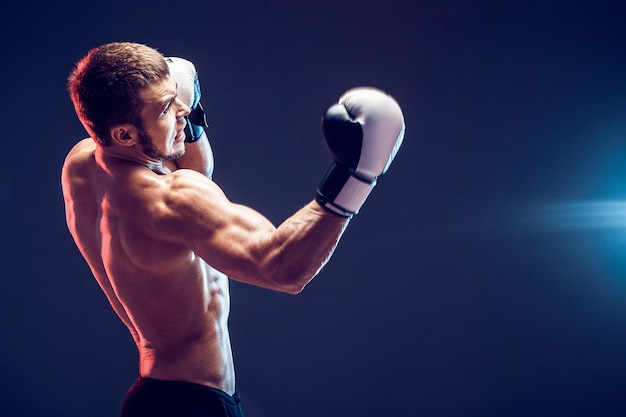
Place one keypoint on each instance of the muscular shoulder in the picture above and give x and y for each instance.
(189, 197)
(170, 207)
(78, 166)
(187, 188)
(80, 152)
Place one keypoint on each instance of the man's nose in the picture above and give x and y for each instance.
(184, 109)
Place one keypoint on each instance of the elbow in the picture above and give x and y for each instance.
(291, 286)
(288, 277)
(292, 282)
(293, 289)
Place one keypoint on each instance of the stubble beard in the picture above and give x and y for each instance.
(147, 145)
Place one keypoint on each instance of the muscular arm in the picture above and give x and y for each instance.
(285, 258)
(242, 243)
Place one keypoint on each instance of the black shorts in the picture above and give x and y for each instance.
(154, 398)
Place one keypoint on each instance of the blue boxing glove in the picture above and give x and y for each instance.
(363, 133)
(186, 77)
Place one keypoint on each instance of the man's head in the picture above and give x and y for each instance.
(105, 86)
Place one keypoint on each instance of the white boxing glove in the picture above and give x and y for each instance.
(363, 133)
(186, 77)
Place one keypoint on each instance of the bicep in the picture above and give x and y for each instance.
(246, 246)
(231, 237)
(237, 241)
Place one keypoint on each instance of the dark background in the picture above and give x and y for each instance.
(486, 274)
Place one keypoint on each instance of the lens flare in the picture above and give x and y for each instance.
(580, 215)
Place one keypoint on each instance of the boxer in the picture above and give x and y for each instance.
(162, 239)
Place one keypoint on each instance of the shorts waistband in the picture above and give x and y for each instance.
(152, 382)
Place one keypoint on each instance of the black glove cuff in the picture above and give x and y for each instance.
(342, 191)
(196, 124)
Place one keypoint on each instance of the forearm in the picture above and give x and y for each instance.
(198, 154)
(301, 246)
(198, 157)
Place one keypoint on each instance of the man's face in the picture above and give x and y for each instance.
(161, 135)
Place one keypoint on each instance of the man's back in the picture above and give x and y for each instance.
(173, 303)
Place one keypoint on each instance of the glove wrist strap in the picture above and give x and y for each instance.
(196, 124)
(342, 191)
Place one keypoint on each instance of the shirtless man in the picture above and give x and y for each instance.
(162, 239)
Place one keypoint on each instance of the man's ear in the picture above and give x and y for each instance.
(124, 134)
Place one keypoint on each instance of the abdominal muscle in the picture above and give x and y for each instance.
(177, 315)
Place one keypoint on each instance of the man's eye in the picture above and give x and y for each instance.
(167, 108)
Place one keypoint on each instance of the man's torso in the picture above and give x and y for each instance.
(173, 303)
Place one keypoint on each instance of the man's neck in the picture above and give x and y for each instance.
(110, 155)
